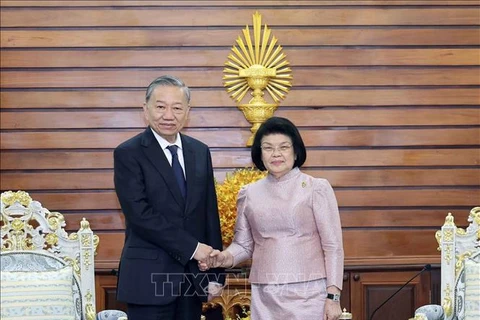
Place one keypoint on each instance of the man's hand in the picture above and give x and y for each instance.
(203, 252)
(203, 266)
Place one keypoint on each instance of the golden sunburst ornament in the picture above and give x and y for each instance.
(255, 66)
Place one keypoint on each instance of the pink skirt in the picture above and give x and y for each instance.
(292, 301)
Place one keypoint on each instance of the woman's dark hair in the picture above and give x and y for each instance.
(278, 125)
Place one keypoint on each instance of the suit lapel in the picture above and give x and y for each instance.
(189, 159)
(155, 154)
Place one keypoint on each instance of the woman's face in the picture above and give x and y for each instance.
(277, 154)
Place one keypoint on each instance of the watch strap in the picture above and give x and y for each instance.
(333, 296)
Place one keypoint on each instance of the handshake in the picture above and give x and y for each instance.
(208, 257)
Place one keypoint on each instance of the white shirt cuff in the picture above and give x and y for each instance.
(193, 255)
(214, 288)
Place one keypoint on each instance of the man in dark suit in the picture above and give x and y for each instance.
(164, 182)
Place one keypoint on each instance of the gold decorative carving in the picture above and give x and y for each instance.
(475, 215)
(17, 235)
(448, 235)
(449, 221)
(438, 236)
(345, 315)
(447, 302)
(86, 259)
(96, 241)
(89, 308)
(448, 253)
(10, 197)
(228, 302)
(84, 225)
(90, 311)
(7, 245)
(55, 220)
(51, 239)
(474, 218)
(17, 241)
(17, 224)
(4, 227)
(75, 265)
(459, 263)
(257, 65)
(85, 240)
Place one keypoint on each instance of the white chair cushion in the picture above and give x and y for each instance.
(36, 295)
(472, 290)
(111, 315)
(431, 312)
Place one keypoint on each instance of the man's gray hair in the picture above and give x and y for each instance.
(167, 81)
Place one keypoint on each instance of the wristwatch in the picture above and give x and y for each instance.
(333, 296)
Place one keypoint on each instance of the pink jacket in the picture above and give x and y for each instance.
(291, 228)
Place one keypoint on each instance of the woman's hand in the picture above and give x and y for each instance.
(216, 259)
(333, 311)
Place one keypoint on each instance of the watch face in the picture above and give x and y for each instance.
(333, 296)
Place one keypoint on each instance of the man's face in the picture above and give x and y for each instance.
(166, 112)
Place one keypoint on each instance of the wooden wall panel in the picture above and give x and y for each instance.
(196, 3)
(233, 118)
(237, 137)
(213, 37)
(228, 158)
(338, 178)
(302, 56)
(298, 97)
(107, 200)
(279, 16)
(304, 77)
(386, 95)
(111, 220)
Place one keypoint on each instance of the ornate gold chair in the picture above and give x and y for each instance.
(44, 270)
(460, 271)
(234, 299)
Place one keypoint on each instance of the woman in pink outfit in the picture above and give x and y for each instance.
(289, 224)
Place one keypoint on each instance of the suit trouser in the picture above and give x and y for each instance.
(187, 306)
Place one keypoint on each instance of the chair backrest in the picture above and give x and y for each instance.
(457, 245)
(34, 239)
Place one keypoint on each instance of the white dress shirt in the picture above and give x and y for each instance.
(164, 144)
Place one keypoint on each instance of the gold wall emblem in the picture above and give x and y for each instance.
(257, 65)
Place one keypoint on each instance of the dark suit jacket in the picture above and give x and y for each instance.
(162, 228)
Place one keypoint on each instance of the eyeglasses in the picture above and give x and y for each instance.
(284, 148)
(177, 110)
